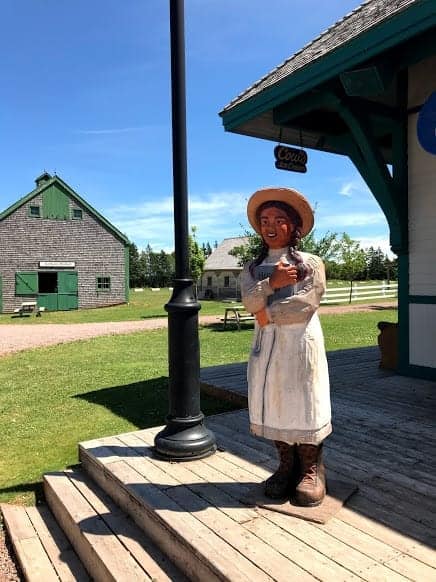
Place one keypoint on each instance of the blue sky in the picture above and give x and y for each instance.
(85, 93)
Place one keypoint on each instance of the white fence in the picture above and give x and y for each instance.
(356, 292)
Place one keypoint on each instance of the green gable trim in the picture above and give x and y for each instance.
(360, 144)
(403, 313)
(401, 27)
(423, 299)
(63, 185)
(127, 273)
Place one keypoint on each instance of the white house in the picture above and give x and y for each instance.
(221, 273)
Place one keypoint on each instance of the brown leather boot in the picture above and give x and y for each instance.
(280, 483)
(311, 488)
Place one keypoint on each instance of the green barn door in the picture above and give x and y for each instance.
(67, 290)
(1, 296)
(49, 301)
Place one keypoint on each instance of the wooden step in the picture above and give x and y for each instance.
(193, 511)
(206, 543)
(41, 548)
(110, 545)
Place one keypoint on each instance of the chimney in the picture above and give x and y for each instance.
(42, 179)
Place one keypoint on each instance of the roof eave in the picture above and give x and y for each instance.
(24, 200)
(373, 42)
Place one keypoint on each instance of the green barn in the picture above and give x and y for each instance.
(59, 252)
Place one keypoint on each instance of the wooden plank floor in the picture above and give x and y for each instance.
(383, 440)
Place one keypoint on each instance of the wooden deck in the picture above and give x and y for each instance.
(194, 513)
(383, 440)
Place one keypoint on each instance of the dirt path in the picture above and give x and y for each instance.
(15, 338)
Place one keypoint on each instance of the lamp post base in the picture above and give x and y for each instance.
(184, 439)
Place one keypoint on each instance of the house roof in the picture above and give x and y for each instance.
(369, 14)
(45, 181)
(220, 260)
(374, 30)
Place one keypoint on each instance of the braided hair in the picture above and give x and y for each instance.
(295, 218)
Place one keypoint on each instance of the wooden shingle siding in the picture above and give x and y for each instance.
(422, 223)
(26, 241)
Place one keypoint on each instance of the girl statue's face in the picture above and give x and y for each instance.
(276, 227)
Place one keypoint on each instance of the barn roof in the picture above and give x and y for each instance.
(44, 181)
(220, 260)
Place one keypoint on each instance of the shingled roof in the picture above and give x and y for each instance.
(220, 259)
(368, 15)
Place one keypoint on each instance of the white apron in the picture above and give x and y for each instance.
(288, 381)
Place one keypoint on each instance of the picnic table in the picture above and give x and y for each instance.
(236, 314)
(28, 307)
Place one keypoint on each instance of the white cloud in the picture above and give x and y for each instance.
(216, 216)
(346, 189)
(353, 187)
(375, 242)
(110, 131)
(351, 219)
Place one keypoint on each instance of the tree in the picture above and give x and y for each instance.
(207, 249)
(145, 266)
(134, 266)
(352, 261)
(376, 263)
(391, 267)
(163, 269)
(327, 247)
(196, 257)
(250, 250)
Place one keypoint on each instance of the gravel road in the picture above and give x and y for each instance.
(15, 338)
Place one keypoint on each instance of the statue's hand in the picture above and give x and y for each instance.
(262, 317)
(283, 275)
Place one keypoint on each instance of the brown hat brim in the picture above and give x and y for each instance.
(287, 195)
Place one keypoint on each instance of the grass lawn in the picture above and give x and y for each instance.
(142, 305)
(52, 398)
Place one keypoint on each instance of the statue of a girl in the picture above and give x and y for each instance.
(288, 382)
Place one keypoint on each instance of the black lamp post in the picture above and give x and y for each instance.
(185, 436)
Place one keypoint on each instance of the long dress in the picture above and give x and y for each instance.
(288, 380)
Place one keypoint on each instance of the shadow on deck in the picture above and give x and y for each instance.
(383, 438)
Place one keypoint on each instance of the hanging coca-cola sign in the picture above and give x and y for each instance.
(291, 159)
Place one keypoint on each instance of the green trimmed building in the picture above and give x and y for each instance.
(363, 89)
(60, 252)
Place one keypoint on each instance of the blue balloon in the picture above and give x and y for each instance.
(426, 126)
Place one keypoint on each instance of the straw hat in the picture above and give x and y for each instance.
(287, 195)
